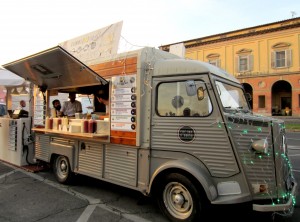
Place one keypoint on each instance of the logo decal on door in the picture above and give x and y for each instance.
(186, 134)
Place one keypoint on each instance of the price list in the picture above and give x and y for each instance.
(123, 103)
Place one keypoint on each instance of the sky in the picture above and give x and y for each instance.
(30, 26)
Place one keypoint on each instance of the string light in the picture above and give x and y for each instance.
(256, 159)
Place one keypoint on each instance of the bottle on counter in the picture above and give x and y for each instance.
(91, 126)
(51, 123)
(59, 123)
(82, 126)
(95, 126)
(65, 121)
(86, 126)
(47, 123)
(53, 112)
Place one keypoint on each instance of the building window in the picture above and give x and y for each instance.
(282, 59)
(214, 59)
(244, 61)
(281, 55)
(261, 101)
(298, 100)
(215, 62)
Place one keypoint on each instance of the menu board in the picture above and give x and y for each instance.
(123, 103)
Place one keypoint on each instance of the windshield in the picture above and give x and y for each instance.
(232, 97)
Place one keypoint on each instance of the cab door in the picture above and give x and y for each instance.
(186, 119)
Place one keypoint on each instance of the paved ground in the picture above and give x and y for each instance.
(26, 197)
(29, 197)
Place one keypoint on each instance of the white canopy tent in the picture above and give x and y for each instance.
(7, 78)
(9, 82)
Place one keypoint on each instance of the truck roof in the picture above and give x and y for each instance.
(165, 63)
(187, 67)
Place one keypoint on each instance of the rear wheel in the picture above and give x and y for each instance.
(62, 169)
(179, 199)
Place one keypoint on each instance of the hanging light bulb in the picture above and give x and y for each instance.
(14, 91)
(23, 91)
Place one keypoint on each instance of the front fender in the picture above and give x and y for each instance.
(199, 172)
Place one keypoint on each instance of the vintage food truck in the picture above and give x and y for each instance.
(179, 130)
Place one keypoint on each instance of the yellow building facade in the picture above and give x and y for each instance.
(264, 58)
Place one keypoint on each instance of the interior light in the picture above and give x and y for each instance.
(23, 91)
(14, 91)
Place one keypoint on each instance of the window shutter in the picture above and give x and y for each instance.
(273, 59)
(288, 57)
(250, 62)
(219, 63)
(237, 62)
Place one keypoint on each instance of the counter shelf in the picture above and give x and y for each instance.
(101, 137)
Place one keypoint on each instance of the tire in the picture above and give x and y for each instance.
(62, 170)
(179, 199)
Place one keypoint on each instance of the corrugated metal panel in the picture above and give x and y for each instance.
(211, 144)
(42, 144)
(283, 165)
(63, 141)
(259, 168)
(90, 160)
(121, 164)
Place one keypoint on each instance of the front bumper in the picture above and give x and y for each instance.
(278, 207)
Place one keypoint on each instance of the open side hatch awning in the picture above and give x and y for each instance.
(55, 68)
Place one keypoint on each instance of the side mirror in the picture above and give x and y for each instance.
(200, 93)
(190, 87)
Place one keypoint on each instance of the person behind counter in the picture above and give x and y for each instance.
(57, 106)
(72, 106)
(104, 100)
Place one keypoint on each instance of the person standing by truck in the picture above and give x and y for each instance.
(72, 106)
(22, 104)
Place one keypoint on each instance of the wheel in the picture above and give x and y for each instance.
(179, 199)
(62, 169)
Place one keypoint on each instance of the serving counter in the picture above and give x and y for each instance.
(96, 136)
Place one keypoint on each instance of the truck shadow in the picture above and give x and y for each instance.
(136, 203)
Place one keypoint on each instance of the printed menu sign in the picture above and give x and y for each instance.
(123, 103)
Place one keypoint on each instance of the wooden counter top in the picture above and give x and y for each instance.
(68, 134)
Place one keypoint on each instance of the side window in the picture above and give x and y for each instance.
(184, 98)
(215, 62)
(214, 59)
(244, 61)
(281, 59)
(281, 56)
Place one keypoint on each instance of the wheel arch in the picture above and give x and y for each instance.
(199, 175)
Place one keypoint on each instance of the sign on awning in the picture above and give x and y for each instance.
(99, 44)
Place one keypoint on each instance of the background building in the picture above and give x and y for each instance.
(264, 58)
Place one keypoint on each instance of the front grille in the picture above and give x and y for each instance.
(272, 168)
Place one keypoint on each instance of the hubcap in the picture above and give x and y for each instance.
(178, 200)
(63, 166)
